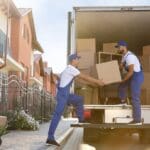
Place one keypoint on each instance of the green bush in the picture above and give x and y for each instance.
(2, 130)
(21, 120)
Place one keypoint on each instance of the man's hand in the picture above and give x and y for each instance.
(100, 82)
(120, 82)
(91, 79)
(129, 74)
(86, 82)
(121, 66)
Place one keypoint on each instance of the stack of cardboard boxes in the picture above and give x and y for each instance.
(145, 95)
(110, 48)
(86, 48)
(106, 69)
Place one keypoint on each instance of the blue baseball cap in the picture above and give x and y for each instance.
(121, 43)
(73, 56)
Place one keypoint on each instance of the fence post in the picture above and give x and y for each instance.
(51, 104)
(44, 96)
(42, 92)
(26, 101)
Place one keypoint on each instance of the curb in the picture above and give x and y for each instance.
(65, 136)
(62, 139)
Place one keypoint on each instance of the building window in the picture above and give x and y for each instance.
(2, 43)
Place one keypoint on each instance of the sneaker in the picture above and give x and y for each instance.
(52, 142)
(133, 122)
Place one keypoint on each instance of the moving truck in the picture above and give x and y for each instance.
(108, 25)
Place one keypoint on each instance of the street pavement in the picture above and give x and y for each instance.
(35, 140)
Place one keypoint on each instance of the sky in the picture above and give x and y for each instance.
(50, 17)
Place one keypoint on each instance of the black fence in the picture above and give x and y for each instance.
(15, 93)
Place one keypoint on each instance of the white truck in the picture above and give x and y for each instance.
(108, 24)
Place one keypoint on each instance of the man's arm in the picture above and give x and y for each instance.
(85, 82)
(121, 66)
(90, 79)
(57, 76)
(129, 74)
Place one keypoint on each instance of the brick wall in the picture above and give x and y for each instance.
(50, 84)
(21, 42)
(15, 34)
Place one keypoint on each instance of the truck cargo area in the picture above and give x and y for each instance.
(113, 24)
(108, 25)
(94, 34)
(113, 116)
(111, 126)
(102, 123)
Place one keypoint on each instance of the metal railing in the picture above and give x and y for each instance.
(14, 93)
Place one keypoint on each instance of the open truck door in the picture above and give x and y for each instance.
(106, 25)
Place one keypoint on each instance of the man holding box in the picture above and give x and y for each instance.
(65, 98)
(134, 79)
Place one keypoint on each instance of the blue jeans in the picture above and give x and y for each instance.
(135, 87)
(62, 101)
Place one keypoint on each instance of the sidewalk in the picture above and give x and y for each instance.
(34, 140)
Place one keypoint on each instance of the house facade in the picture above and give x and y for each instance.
(21, 63)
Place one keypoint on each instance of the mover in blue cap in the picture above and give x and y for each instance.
(134, 79)
(65, 98)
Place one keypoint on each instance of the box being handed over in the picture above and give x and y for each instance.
(109, 72)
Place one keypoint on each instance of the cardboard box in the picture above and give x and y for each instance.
(145, 60)
(87, 59)
(86, 45)
(146, 84)
(109, 72)
(91, 71)
(146, 50)
(3, 121)
(109, 47)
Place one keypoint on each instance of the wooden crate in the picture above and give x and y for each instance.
(105, 57)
